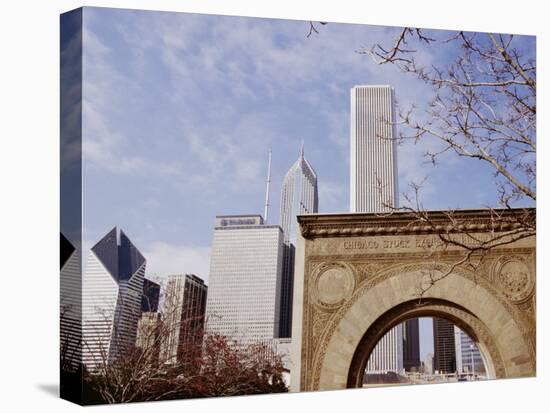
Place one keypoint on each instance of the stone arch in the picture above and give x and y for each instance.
(460, 317)
(378, 304)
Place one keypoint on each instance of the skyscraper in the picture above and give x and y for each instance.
(245, 276)
(150, 296)
(299, 195)
(444, 346)
(149, 326)
(468, 356)
(183, 316)
(112, 288)
(387, 355)
(411, 345)
(149, 335)
(373, 162)
(70, 302)
(429, 364)
(373, 185)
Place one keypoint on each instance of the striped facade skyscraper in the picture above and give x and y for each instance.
(246, 262)
(299, 195)
(388, 353)
(373, 161)
(112, 289)
(373, 186)
(71, 307)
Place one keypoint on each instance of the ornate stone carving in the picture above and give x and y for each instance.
(367, 270)
(318, 346)
(320, 320)
(346, 256)
(333, 283)
(514, 277)
(399, 223)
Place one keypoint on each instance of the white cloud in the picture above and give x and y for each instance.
(200, 53)
(102, 142)
(227, 88)
(164, 259)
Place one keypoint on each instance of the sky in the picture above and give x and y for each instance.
(179, 111)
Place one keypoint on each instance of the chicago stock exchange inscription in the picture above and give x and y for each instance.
(406, 243)
(378, 244)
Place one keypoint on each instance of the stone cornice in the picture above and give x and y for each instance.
(406, 223)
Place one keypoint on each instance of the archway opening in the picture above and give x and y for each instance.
(424, 350)
(429, 342)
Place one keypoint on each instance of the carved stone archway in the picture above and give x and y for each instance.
(460, 317)
(358, 275)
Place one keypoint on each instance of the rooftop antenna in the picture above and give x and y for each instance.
(266, 210)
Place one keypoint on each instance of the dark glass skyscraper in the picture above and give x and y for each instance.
(411, 345)
(150, 296)
(444, 346)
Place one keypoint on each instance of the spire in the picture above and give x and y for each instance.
(266, 210)
(302, 150)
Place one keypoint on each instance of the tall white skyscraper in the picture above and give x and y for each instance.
(246, 263)
(373, 162)
(299, 195)
(112, 289)
(373, 185)
(388, 353)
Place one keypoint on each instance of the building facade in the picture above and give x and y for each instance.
(286, 289)
(149, 335)
(398, 350)
(468, 356)
(428, 364)
(246, 266)
(183, 317)
(70, 350)
(150, 297)
(373, 161)
(411, 345)
(444, 346)
(387, 355)
(373, 185)
(149, 328)
(299, 196)
(112, 288)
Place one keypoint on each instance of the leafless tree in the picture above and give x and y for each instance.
(162, 365)
(483, 107)
(217, 368)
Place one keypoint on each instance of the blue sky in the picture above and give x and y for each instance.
(179, 111)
